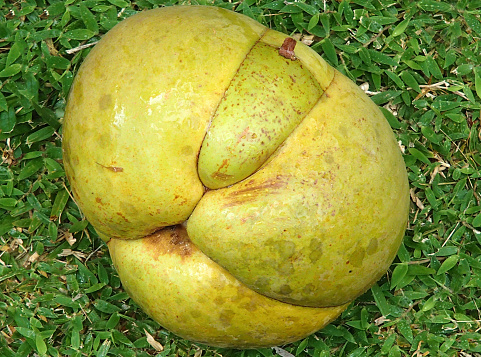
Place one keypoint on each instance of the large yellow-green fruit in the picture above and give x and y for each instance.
(246, 194)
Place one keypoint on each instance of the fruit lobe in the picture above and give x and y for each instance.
(266, 99)
(322, 220)
(199, 300)
(148, 120)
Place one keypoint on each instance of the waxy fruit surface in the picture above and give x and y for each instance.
(247, 191)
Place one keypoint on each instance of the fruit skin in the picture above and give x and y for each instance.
(304, 231)
(322, 220)
(138, 111)
(196, 298)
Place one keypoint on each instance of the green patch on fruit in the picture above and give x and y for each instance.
(267, 98)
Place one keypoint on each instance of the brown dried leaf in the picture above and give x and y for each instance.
(380, 320)
(305, 39)
(81, 47)
(15, 243)
(282, 352)
(33, 258)
(415, 199)
(68, 252)
(51, 47)
(69, 238)
(7, 337)
(156, 345)
(308, 40)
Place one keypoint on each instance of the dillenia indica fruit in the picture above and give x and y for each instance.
(247, 190)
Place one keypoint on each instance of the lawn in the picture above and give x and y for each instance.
(420, 61)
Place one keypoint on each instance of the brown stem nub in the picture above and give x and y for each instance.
(287, 48)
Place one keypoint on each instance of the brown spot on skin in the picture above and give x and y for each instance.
(123, 217)
(242, 135)
(187, 150)
(252, 190)
(226, 316)
(219, 300)
(195, 314)
(112, 168)
(105, 101)
(225, 163)
(221, 176)
(170, 240)
(181, 201)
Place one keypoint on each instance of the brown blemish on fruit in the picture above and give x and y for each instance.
(112, 168)
(226, 316)
(195, 314)
(123, 217)
(252, 190)
(105, 101)
(187, 150)
(170, 240)
(219, 300)
(221, 176)
(225, 164)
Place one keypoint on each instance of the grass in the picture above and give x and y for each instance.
(420, 61)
